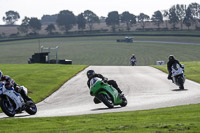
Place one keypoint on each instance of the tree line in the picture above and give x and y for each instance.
(65, 19)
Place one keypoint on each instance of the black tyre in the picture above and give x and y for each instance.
(7, 108)
(181, 82)
(181, 87)
(124, 102)
(106, 100)
(31, 108)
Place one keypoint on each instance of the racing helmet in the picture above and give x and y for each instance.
(171, 58)
(90, 73)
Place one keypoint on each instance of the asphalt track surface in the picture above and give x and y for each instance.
(144, 87)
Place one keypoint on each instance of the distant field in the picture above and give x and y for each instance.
(103, 50)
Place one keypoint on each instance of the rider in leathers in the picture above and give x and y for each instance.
(11, 83)
(91, 74)
(171, 61)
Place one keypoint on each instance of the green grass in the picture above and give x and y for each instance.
(181, 119)
(192, 70)
(40, 79)
(102, 50)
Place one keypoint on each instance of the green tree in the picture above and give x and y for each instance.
(181, 12)
(142, 18)
(66, 20)
(129, 19)
(11, 17)
(91, 18)
(50, 28)
(157, 18)
(112, 20)
(35, 24)
(81, 21)
(166, 17)
(188, 18)
(195, 10)
(173, 18)
(24, 27)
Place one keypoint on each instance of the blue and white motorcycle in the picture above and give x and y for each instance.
(178, 76)
(12, 102)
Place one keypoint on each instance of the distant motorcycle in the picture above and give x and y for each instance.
(106, 93)
(12, 102)
(178, 76)
(133, 62)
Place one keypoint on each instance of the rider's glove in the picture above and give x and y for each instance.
(105, 80)
(169, 77)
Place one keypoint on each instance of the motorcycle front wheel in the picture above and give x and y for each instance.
(106, 100)
(124, 102)
(7, 107)
(181, 83)
(31, 108)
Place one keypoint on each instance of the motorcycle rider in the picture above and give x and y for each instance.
(171, 61)
(91, 74)
(11, 83)
(133, 60)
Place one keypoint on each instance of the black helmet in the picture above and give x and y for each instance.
(90, 73)
(171, 58)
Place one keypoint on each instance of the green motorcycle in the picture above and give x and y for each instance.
(106, 93)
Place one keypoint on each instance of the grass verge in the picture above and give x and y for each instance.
(40, 79)
(181, 119)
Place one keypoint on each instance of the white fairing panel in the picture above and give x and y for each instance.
(133, 60)
(93, 81)
(12, 94)
(177, 71)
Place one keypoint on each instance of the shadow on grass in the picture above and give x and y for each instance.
(97, 109)
(179, 89)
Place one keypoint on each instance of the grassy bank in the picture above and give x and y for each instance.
(181, 119)
(40, 79)
(103, 50)
(192, 70)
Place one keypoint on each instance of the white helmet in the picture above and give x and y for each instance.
(1, 74)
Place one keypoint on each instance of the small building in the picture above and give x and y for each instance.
(43, 57)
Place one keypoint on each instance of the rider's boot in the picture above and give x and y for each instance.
(121, 95)
(24, 96)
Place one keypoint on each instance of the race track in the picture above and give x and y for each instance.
(145, 88)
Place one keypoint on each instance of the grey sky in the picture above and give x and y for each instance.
(37, 8)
